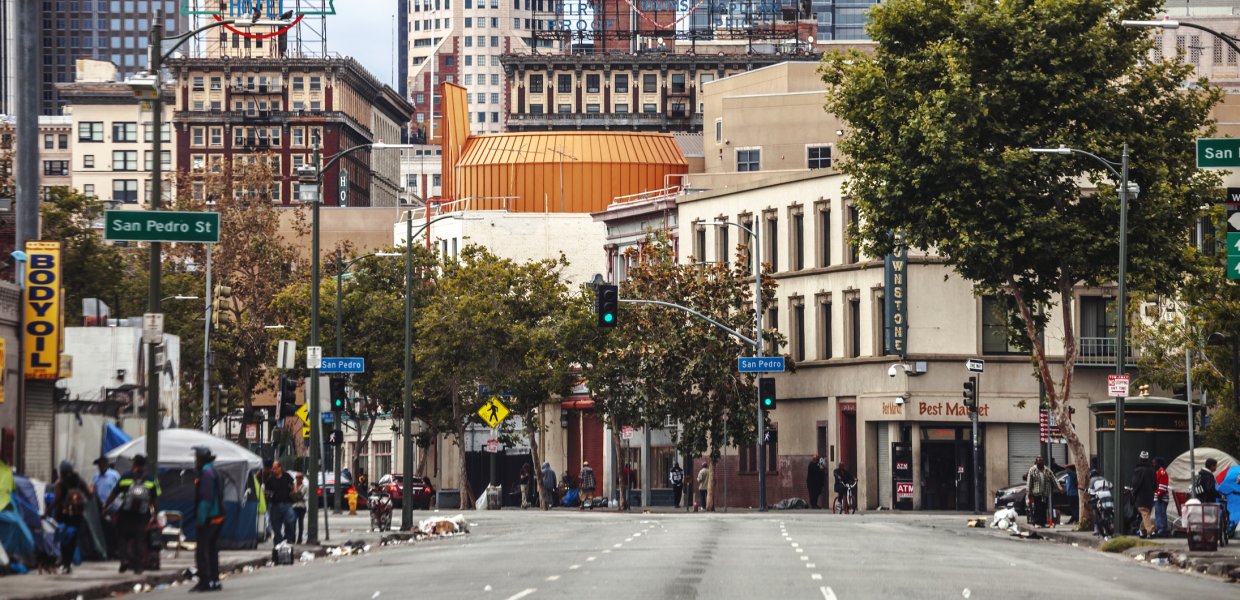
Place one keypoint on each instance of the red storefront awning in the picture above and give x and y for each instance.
(578, 402)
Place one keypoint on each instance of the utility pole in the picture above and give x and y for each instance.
(155, 57)
(27, 179)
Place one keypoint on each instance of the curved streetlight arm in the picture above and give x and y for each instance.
(185, 37)
(1229, 40)
(735, 333)
(1110, 165)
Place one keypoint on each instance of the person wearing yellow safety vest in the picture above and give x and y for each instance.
(136, 495)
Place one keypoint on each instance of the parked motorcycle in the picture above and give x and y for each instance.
(380, 509)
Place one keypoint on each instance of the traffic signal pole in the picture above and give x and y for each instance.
(977, 390)
(339, 352)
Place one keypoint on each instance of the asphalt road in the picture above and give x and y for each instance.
(781, 555)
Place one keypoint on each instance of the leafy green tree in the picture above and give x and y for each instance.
(941, 117)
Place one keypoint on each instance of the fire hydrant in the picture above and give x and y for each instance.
(352, 496)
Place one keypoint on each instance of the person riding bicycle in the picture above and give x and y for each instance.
(843, 479)
(1102, 500)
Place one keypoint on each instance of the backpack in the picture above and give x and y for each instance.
(678, 477)
(75, 502)
(137, 499)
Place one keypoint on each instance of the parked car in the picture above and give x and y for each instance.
(327, 487)
(421, 488)
(1015, 495)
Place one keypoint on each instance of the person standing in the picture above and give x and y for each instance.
(299, 504)
(677, 478)
(101, 485)
(1039, 483)
(815, 480)
(703, 478)
(1205, 487)
(209, 519)
(1162, 496)
(279, 488)
(1143, 487)
(587, 484)
(68, 507)
(1073, 494)
(548, 481)
(138, 494)
(524, 478)
(1099, 491)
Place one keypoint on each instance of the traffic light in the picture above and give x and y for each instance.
(970, 394)
(766, 393)
(335, 437)
(288, 396)
(339, 396)
(608, 305)
(220, 301)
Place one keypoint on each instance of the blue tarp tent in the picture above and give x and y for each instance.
(113, 437)
(236, 467)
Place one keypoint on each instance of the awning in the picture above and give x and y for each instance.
(578, 402)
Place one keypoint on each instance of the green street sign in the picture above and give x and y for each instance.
(161, 226)
(1233, 243)
(1218, 152)
(1233, 266)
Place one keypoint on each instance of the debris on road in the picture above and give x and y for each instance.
(444, 526)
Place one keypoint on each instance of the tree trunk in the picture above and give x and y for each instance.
(1058, 397)
(467, 493)
(531, 429)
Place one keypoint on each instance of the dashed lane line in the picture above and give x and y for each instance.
(827, 594)
(553, 577)
(523, 593)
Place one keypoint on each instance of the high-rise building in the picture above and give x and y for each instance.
(8, 57)
(110, 30)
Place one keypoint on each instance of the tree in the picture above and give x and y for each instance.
(941, 117)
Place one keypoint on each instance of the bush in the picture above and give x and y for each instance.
(1124, 543)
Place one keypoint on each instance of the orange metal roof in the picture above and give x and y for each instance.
(577, 146)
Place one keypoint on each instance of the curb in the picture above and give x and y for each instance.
(1224, 567)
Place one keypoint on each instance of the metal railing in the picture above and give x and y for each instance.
(1100, 352)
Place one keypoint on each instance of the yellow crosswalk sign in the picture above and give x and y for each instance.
(303, 413)
(305, 431)
(493, 412)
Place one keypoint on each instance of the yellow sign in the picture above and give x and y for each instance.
(303, 413)
(305, 431)
(493, 412)
(43, 319)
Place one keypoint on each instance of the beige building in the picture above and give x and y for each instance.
(111, 138)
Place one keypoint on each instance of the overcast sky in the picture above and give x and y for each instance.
(363, 29)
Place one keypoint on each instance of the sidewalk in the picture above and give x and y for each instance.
(102, 579)
(1172, 552)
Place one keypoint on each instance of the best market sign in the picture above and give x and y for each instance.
(268, 9)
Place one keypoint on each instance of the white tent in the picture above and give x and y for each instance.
(1181, 473)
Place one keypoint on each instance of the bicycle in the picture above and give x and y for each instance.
(846, 503)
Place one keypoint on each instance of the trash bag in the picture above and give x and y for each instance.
(571, 496)
(790, 503)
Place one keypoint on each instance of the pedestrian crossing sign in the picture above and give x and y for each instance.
(493, 412)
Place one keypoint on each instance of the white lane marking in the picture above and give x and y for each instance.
(616, 545)
(800, 550)
(523, 593)
(553, 577)
(590, 558)
(794, 544)
(608, 551)
(816, 576)
(638, 534)
(628, 539)
(827, 594)
(803, 557)
(573, 567)
(810, 565)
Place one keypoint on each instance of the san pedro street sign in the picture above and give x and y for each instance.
(161, 226)
(766, 364)
(1218, 152)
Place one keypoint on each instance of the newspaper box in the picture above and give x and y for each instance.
(1201, 522)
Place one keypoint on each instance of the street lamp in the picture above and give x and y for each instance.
(273, 327)
(1126, 188)
(310, 176)
(406, 506)
(148, 86)
(757, 351)
(1224, 339)
(1168, 24)
(340, 271)
(178, 297)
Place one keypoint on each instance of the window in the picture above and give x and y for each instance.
(494, 97)
(878, 332)
(564, 83)
(797, 327)
(90, 132)
(650, 108)
(622, 83)
(125, 190)
(148, 132)
(495, 79)
(746, 251)
(217, 137)
(383, 456)
(796, 239)
(852, 250)
(818, 157)
(853, 319)
(124, 132)
(1097, 326)
(723, 249)
(299, 84)
(748, 160)
(718, 131)
(593, 109)
(197, 162)
(622, 109)
(678, 83)
(316, 83)
(88, 161)
(298, 135)
(63, 141)
(536, 109)
(650, 81)
(199, 83)
(699, 243)
(824, 234)
(770, 240)
(592, 83)
(824, 327)
(678, 110)
(56, 167)
(564, 108)
(124, 160)
(49, 142)
(88, 189)
(997, 321)
(217, 84)
(536, 84)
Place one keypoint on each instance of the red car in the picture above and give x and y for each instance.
(420, 487)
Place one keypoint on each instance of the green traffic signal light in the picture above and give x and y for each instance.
(609, 317)
(766, 393)
(607, 302)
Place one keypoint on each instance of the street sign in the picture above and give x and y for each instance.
(626, 432)
(1218, 152)
(492, 446)
(152, 328)
(1117, 386)
(303, 413)
(287, 358)
(251, 432)
(161, 226)
(766, 364)
(305, 431)
(344, 187)
(904, 489)
(1233, 195)
(314, 357)
(1233, 241)
(343, 365)
(493, 412)
(975, 365)
(1233, 218)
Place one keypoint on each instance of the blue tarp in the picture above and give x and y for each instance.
(113, 436)
(26, 499)
(14, 535)
(1228, 482)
